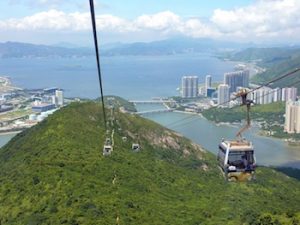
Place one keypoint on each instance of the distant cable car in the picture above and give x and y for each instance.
(237, 160)
(135, 147)
(107, 148)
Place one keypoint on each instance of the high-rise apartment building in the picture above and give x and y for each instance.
(236, 79)
(277, 95)
(59, 94)
(289, 94)
(223, 94)
(292, 117)
(207, 84)
(189, 86)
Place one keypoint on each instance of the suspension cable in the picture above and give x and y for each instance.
(98, 59)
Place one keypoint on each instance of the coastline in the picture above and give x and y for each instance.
(252, 66)
(10, 132)
(191, 113)
(291, 143)
(260, 132)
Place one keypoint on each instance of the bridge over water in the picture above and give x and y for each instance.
(151, 101)
(154, 111)
(154, 101)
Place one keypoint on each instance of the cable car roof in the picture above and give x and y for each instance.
(243, 145)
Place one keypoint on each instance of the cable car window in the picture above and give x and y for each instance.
(220, 148)
(240, 159)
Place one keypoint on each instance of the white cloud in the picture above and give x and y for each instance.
(195, 28)
(262, 20)
(161, 21)
(54, 20)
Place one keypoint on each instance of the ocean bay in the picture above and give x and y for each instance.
(131, 77)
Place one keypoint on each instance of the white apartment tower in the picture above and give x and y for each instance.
(189, 86)
(59, 94)
(292, 117)
(289, 94)
(277, 95)
(223, 94)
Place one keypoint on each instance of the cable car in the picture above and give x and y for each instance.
(135, 147)
(237, 160)
(107, 148)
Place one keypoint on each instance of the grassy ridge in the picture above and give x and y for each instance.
(55, 173)
(269, 113)
(280, 69)
(118, 102)
(271, 117)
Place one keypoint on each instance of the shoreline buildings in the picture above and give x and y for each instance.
(49, 99)
(266, 95)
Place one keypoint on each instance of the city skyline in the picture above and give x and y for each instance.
(234, 82)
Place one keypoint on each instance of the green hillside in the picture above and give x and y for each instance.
(118, 102)
(279, 69)
(54, 173)
(277, 62)
(268, 113)
(266, 57)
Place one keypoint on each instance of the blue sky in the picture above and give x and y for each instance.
(53, 21)
(204, 8)
(125, 8)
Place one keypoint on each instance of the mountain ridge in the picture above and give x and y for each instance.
(163, 47)
(276, 61)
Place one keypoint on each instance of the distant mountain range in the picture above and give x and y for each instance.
(175, 46)
(165, 47)
(25, 50)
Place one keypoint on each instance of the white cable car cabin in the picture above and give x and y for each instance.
(237, 160)
(135, 147)
(107, 148)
